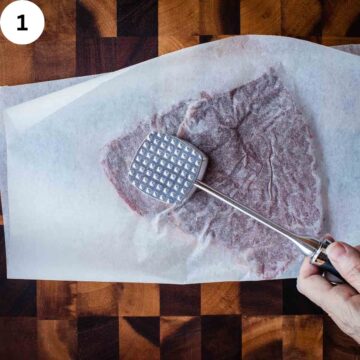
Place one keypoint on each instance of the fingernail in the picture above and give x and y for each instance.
(336, 250)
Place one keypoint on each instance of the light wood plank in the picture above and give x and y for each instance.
(57, 339)
(303, 337)
(220, 298)
(178, 17)
(97, 299)
(260, 17)
(139, 300)
(104, 16)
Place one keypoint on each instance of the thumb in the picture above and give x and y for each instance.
(346, 260)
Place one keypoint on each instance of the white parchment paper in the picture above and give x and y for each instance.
(65, 221)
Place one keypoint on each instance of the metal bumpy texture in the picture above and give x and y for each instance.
(166, 168)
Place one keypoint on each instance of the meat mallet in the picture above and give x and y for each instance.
(170, 170)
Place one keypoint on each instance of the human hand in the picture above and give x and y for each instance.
(341, 302)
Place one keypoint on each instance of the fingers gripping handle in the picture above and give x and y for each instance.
(327, 266)
(321, 260)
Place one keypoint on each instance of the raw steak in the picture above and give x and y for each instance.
(261, 153)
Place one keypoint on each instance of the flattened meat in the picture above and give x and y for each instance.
(261, 153)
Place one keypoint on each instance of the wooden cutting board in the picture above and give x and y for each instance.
(249, 320)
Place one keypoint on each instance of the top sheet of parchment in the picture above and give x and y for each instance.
(67, 223)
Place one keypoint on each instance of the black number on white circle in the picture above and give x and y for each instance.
(22, 26)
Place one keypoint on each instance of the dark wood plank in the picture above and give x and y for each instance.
(98, 338)
(18, 298)
(139, 338)
(261, 298)
(295, 303)
(337, 345)
(18, 338)
(221, 337)
(137, 18)
(133, 50)
(341, 18)
(95, 55)
(180, 338)
(179, 300)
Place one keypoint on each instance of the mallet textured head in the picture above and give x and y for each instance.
(166, 168)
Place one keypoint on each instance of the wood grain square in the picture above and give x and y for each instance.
(137, 18)
(301, 18)
(261, 297)
(60, 19)
(97, 299)
(337, 345)
(180, 338)
(10, 54)
(139, 300)
(3, 4)
(97, 18)
(139, 338)
(179, 300)
(57, 339)
(132, 50)
(221, 337)
(98, 338)
(260, 17)
(17, 298)
(303, 337)
(295, 303)
(219, 17)
(220, 298)
(261, 337)
(339, 40)
(178, 17)
(171, 43)
(54, 60)
(56, 300)
(341, 18)
(18, 338)
(94, 56)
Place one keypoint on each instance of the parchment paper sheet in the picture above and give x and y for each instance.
(65, 221)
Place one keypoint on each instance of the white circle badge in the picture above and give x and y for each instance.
(22, 22)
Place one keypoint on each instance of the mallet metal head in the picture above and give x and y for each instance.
(166, 168)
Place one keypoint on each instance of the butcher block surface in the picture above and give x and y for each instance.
(84, 320)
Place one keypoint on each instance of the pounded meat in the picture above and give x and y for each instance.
(261, 153)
